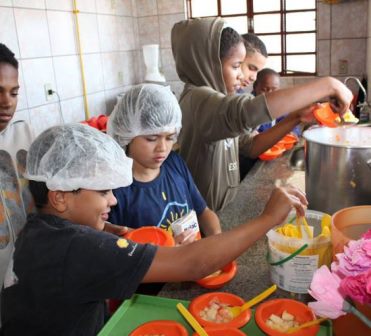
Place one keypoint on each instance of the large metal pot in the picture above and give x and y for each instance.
(338, 167)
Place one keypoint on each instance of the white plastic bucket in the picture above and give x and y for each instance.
(293, 261)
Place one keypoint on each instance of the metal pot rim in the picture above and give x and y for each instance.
(307, 135)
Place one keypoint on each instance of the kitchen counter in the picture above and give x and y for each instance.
(253, 274)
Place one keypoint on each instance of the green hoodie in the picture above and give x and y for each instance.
(212, 121)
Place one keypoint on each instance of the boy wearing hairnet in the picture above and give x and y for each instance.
(65, 266)
(146, 122)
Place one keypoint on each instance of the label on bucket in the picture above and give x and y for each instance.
(294, 275)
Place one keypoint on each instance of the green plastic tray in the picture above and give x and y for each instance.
(144, 308)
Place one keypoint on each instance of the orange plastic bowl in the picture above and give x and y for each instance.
(218, 281)
(272, 153)
(325, 115)
(202, 301)
(220, 331)
(288, 141)
(301, 312)
(152, 235)
(166, 327)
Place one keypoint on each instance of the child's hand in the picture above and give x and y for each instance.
(185, 238)
(117, 230)
(306, 114)
(282, 200)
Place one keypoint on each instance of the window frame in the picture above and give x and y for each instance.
(250, 14)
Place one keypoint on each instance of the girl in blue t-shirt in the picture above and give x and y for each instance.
(146, 122)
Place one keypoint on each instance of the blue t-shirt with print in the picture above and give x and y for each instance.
(160, 202)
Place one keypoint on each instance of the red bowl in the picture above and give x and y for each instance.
(218, 281)
(102, 122)
(325, 115)
(152, 235)
(202, 301)
(272, 153)
(220, 331)
(301, 312)
(166, 327)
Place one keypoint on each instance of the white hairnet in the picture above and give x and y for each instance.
(77, 156)
(144, 109)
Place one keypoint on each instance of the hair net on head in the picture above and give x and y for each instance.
(144, 109)
(77, 156)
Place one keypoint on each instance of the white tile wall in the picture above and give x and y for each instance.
(111, 97)
(146, 7)
(148, 28)
(97, 104)
(112, 67)
(62, 32)
(170, 6)
(40, 4)
(22, 115)
(323, 21)
(166, 22)
(32, 42)
(59, 4)
(87, 6)
(37, 72)
(124, 7)
(168, 65)
(6, 3)
(68, 76)
(104, 7)
(22, 97)
(8, 34)
(349, 19)
(126, 34)
(93, 73)
(45, 116)
(323, 57)
(73, 110)
(89, 36)
(352, 50)
(108, 32)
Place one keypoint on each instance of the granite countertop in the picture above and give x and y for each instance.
(253, 274)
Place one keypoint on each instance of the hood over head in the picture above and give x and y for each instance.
(196, 44)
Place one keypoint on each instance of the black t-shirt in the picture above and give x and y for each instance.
(65, 272)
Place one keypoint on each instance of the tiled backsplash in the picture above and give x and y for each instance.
(42, 33)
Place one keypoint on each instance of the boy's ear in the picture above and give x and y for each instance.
(57, 200)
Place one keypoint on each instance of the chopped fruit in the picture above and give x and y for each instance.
(348, 116)
(282, 323)
(216, 312)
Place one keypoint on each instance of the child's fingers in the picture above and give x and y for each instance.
(115, 229)
(186, 238)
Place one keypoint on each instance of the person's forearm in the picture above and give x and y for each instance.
(207, 255)
(204, 256)
(209, 223)
(289, 100)
(265, 140)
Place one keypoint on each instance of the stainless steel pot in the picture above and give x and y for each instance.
(338, 167)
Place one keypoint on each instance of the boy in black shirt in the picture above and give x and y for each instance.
(65, 266)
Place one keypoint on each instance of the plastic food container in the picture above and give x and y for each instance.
(202, 301)
(152, 235)
(288, 141)
(301, 312)
(325, 115)
(166, 327)
(272, 153)
(293, 261)
(214, 282)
